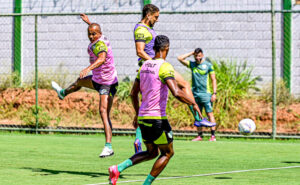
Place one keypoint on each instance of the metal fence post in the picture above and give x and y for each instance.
(146, 2)
(18, 42)
(287, 45)
(36, 75)
(273, 73)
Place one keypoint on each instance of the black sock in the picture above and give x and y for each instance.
(212, 132)
(200, 134)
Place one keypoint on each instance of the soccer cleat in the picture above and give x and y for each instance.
(106, 152)
(198, 138)
(137, 146)
(204, 123)
(113, 174)
(212, 138)
(58, 89)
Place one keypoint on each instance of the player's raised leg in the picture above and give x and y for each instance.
(80, 82)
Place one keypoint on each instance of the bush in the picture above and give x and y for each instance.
(29, 117)
(124, 89)
(44, 79)
(10, 81)
(283, 95)
(234, 81)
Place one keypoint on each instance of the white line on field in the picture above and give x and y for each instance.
(201, 175)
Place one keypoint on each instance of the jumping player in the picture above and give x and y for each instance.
(151, 115)
(104, 79)
(144, 36)
(202, 70)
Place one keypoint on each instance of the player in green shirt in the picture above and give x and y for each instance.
(202, 71)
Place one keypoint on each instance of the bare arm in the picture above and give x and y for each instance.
(134, 94)
(181, 96)
(85, 18)
(140, 46)
(214, 86)
(182, 58)
(101, 59)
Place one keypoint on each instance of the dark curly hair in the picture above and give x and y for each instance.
(161, 42)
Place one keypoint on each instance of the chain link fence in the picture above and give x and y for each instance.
(225, 34)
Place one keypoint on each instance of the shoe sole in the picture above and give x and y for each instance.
(103, 156)
(204, 125)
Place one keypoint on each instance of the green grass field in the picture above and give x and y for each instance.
(73, 159)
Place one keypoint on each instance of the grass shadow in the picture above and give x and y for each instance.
(91, 174)
(56, 172)
(223, 177)
(291, 162)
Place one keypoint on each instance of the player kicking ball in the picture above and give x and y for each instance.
(202, 70)
(154, 79)
(104, 79)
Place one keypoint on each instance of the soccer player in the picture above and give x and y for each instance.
(202, 70)
(144, 36)
(154, 79)
(104, 79)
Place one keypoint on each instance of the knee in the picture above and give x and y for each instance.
(77, 83)
(153, 154)
(103, 110)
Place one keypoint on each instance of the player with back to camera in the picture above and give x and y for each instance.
(144, 36)
(202, 70)
(154, 79)
(104, 79)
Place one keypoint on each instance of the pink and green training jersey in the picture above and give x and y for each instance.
(152, 76)
(105, 74)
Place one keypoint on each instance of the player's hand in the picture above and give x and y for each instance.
(213, 98)
(85, 18)
(84, 73)
(135, 122)
(196, 109)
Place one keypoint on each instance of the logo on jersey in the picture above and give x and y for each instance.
(100, 48)
(140, 36)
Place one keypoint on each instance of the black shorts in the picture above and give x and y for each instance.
(156, 131)
(110, 90)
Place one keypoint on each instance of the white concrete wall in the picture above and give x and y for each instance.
(6, 42)
(296, 52)
(62, 40)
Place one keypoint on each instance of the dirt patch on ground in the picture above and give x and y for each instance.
(81, 109)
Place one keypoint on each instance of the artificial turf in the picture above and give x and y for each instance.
(73, 159)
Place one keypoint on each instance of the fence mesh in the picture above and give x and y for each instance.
(62, 41)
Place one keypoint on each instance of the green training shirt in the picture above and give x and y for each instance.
(200, 77)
